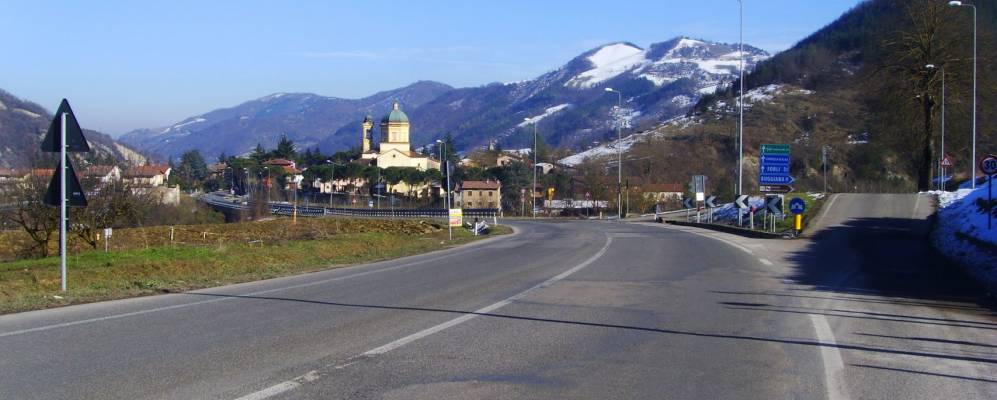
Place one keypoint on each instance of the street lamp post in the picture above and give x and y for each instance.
(446, 191)
(619, 153)
(972, 160)
(533, 190)
(740, 103)
(941, 158)
(446, 200)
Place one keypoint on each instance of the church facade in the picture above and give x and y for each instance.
(394, 149)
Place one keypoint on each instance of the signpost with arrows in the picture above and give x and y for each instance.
(64, 135)
(774, 169)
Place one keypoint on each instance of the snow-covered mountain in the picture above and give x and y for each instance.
(568, 105)
(708, 63)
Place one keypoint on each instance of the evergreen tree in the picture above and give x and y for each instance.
(285, 149)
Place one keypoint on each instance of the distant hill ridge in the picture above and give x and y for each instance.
(569, 104)
(23, 125)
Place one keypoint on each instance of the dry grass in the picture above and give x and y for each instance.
(145, 263)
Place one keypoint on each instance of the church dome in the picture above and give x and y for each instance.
(396, 115)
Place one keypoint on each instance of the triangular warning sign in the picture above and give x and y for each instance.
(74, 134)
(74, 192)
(946, 161)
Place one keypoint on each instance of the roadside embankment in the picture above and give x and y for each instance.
(962, 235)
(144, 261)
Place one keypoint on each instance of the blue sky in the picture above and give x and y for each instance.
(127, 64)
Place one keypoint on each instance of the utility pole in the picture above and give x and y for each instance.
(823, 161)
(972, 160)
(533, 190)
(740, 106)
(619, 153)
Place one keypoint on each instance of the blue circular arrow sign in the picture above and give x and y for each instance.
(797, 205)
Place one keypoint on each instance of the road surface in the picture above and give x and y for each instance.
(580, 310)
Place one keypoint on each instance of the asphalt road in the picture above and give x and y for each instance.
(582, 309)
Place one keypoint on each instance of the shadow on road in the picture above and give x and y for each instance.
(791, 341)
(889, 257)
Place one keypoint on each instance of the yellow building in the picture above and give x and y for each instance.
(394, 148)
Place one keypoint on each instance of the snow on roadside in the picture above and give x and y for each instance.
(961, 213)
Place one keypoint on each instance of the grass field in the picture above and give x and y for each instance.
(139, 265)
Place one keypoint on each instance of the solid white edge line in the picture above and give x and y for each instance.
(834, 367)
(456, 321)
(236, 296)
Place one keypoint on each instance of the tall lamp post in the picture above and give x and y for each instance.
(332, 179)
(941, 158)
(533, 190)
(446, 192)
(972, 160)
(619, 154)
(740, 103)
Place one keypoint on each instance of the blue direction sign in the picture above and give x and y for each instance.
(797, 205)
(775, 159)
(775, 179)
(774, 166)
(769, 169)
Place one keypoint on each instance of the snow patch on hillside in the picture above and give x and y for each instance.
(962, 220)
(768, 93)
(181, 125)
(608, 63)
(26, 112)
(547, 112)
(624, 144)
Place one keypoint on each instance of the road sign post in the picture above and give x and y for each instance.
(988, 165)
(68, 139)
(456, 219)
(773, 174)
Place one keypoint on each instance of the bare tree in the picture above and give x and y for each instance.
(911, 90)
(108, 205)
(23, 205)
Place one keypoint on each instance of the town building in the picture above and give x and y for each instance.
(479, 194)
(148, 175)
(659, 192)
(102, 173)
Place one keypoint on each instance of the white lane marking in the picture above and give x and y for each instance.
(314, 375)
(766, 261)
(917, 200)
(834, 367)
(283, 386)
(216, 300)
(459, 320)
(823, 212)
(271, 391)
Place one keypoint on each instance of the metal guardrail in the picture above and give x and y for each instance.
(306, 211)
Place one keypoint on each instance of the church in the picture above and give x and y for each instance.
(394, 148)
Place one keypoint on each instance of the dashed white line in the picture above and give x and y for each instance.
(834, 367)
(459, 320)
(271, 391)
(294, 383)
(765, 261)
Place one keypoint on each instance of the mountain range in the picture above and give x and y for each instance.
(569, 104)
(23, 125)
